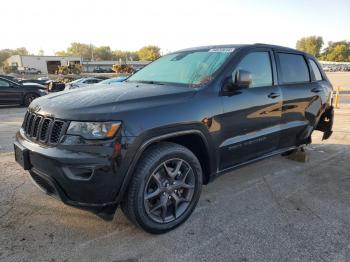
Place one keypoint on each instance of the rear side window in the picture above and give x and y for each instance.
(259, 65)
(315, 70)
(293, 68)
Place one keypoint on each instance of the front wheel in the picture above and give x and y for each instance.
(28, 99)
(165, 188)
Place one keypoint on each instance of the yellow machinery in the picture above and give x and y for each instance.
(71, 68)
(122, 69)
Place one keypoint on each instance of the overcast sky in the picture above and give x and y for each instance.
(130, 24)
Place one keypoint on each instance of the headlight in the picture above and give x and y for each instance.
(93, 130)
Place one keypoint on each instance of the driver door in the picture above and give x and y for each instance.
(252, 115)
(9, 94)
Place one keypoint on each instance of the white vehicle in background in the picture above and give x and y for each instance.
(112, 81)
(82, 82)
(28, 71)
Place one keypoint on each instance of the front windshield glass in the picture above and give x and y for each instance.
(77, 80)
(188, 67)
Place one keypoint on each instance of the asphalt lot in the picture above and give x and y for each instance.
(274, 210)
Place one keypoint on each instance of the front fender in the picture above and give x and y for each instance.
(137, 145)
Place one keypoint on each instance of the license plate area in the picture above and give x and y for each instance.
(22, 156)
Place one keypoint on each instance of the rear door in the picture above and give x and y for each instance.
(250, 123)
(301, 100)
(9, 94)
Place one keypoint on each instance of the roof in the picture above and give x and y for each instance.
(236, 46)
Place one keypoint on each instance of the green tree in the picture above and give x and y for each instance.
(61, 53)
(78, 49)
(125, 55)
(41, 52)
(6, 53)
(149, 53)
(103, 53)
(310, 44)
(20, 51)
(337, 52)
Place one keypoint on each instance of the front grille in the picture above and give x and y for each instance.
(45, 130)
(56, 131)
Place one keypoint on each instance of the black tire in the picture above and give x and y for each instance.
(136, 207)
(28, 98)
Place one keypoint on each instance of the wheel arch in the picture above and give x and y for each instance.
(30, 92)
(187, 138)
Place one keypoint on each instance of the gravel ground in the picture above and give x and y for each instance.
(273, 210)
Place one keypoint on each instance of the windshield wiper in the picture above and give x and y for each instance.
(148, 82)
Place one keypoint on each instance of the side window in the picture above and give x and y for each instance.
(293, 68)
(4, 83)
(259, 65)
(315, 70)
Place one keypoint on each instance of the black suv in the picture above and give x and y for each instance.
(15, 93)
(150, 143)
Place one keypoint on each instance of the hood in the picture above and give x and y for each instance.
(106, 102)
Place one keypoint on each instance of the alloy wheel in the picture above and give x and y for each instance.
(169, 190)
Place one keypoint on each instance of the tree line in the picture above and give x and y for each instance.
(6, 53)
(335, 51)
(91, 52)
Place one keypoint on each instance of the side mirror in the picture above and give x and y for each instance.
(241, 79)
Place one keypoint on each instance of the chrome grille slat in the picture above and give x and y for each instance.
(30, 124)
(44, 132)
(36, 126)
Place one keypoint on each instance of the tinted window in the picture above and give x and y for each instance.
(294, 68)
(259, 65)
(4, 83)
(315, 70)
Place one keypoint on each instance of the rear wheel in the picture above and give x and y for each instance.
(165, 188)
(29, 98)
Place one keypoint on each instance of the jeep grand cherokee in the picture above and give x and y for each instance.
(150, 143)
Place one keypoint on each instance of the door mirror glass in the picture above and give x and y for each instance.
(241, 79)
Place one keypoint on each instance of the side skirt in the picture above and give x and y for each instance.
(277, 152)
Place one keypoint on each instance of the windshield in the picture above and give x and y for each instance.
(188, 67)
(78, 80)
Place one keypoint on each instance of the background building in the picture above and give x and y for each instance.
(46, 64)
(49, 64)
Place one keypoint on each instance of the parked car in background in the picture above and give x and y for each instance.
(103, 70)
(28, 71)
(82, 82)
(14, 93)
(36, 81)
(56, 86)
(114, 80)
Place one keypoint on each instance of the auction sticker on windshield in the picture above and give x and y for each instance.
(222, 50)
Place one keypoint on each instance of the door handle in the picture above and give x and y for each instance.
(273, 95)
(315, 90)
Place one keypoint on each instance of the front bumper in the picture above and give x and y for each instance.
(87, 176)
